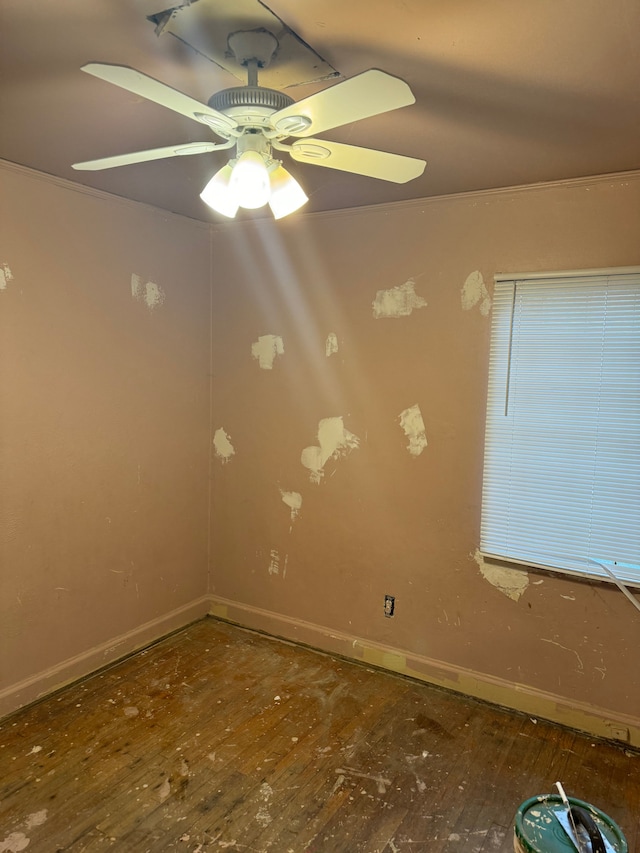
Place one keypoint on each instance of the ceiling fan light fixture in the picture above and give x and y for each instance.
(255, 120)
(249, 182)
(218, 193)
(287, 195)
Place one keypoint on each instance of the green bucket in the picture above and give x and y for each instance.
(539, 827)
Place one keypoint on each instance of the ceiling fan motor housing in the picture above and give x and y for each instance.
(250, 106)
(249, 96)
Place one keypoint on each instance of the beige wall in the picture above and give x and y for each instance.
(104, 423)
(382, 520)
(105, 438)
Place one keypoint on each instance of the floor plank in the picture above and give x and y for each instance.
(218, 738)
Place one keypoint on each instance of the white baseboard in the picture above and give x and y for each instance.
(600, 722)
(42, 683)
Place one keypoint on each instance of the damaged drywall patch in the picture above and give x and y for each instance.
(510, 582)
(399, 301)
(413, 426)
(294, 501)
(5, 276)
(333, 441)
(276, 562)
(474, 291)
(265, 350)
(331, 345)
(223, 447)
(148, 292)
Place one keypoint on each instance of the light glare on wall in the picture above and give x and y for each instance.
(251, 183)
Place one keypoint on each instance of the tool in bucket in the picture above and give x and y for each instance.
(555, 823)
(577, 823)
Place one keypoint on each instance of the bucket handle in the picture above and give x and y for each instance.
(580, 816)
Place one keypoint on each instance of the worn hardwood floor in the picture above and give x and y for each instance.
(218, 738)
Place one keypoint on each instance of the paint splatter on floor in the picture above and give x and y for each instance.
(37, 818)
(14, 842)
(165, 790)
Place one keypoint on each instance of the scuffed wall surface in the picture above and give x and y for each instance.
(399, 513)
(104, 419)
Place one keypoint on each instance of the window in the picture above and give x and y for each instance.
(561, 485)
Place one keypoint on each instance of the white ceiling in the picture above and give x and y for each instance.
(507, 92)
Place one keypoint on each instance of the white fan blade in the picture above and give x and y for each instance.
(362, 161)
(138, 83)
(368, 94)
(152, 154)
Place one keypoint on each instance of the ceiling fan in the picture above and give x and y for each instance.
(256, 121)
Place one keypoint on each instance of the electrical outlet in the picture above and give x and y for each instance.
(389, 605)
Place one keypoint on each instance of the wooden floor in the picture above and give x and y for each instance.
(218, 738)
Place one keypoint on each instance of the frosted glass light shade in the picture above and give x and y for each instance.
(219, 195)
(249, 181)
(253, 187)
(286, 193)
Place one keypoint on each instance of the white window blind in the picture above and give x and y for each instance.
(561, 482)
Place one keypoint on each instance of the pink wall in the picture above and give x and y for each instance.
(104, 423)
(109, 312)
(381, 520)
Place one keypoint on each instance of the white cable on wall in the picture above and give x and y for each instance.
(619, 584)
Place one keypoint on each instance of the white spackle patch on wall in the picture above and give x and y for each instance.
(511, 582)
(5, 276)
(294, 501)
(265, 350)
(331, 345)
(333, 441)
(399, 301)
(474, 291)
(413, 426)
(274, 564)
(148, 292)
(223, 447)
